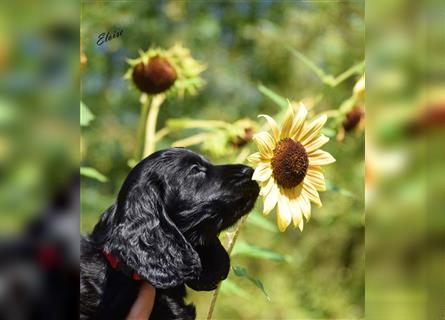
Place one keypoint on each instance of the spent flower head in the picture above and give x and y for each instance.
(172, 71)
(288, 166)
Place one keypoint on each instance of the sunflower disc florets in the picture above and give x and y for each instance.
(289, 163)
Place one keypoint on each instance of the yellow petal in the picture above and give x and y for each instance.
(292, 195)
(265, 190)
(311, 193)
(254, 158)
(305, 206)
(283, 213)
(298, 123)
(273, 126)
(312, 130)
(301, 225)
(287, 123)
(320, 158)
(316, 178)
(315, 168)
(316, 144)
(271, 200)
(265, 144)
(262, 172)
(296, 212)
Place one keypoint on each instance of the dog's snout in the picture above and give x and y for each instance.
(248, 171)
(239, 172)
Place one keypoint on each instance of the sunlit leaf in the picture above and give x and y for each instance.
(355, 69)
(332, 187)
(231, 287)
(242, 273)
(327, 78)
(275, 97)
(192, 140)
(261, 222)
(93, 174)
(186, 123)
(86, 116)
(244, 249)
(132, 163)
(328, 132)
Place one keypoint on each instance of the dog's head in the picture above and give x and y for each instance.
(172, 203)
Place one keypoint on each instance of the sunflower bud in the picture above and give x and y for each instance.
(353, 118)
(359, 89)
(168, 72)
(241, 141)
(155, 77)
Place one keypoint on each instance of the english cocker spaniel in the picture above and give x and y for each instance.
(163, 228)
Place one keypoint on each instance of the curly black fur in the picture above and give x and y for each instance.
(164, 225)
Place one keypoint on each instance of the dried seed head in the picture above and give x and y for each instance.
(289, 163)
(155, 77)
(241, 141)
(353, 118)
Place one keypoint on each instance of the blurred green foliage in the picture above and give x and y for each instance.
(39, 120)
(250, 50)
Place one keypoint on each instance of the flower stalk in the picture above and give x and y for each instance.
(150, 128)
(240, 159)
(159, 73)
(140, 138)
(230, 247)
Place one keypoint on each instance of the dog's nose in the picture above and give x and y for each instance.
(248, 171)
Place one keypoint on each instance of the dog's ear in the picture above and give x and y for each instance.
(215, 266)
(147, 241)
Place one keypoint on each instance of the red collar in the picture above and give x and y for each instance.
(116, 264)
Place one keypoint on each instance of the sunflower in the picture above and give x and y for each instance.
(172, 71)
(288, 166)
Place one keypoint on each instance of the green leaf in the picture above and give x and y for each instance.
(355, 69)
(86, 116)
(332, 187)
(261, 222)
(327, 78)
(231, 287)
(242, 273)
(328, 132)
(245, 249)
(93, 173)
(186, 123)
(7, 112)
(275, 97)
(132, 163)
(192, 140)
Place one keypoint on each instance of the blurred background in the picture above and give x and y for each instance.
(405, 105)
(255, 56)
(249, 48)
(39, 156)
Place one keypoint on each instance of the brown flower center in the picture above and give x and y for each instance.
(155, 77)
(289, 163)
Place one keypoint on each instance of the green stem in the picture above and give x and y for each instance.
(150, 129)
(141, 129)
(230, 247)
(240, 159)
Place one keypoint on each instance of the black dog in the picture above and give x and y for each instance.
(163, 229)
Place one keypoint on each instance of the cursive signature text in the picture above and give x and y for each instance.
(107, 36)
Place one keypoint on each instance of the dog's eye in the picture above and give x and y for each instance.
(195, 169)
